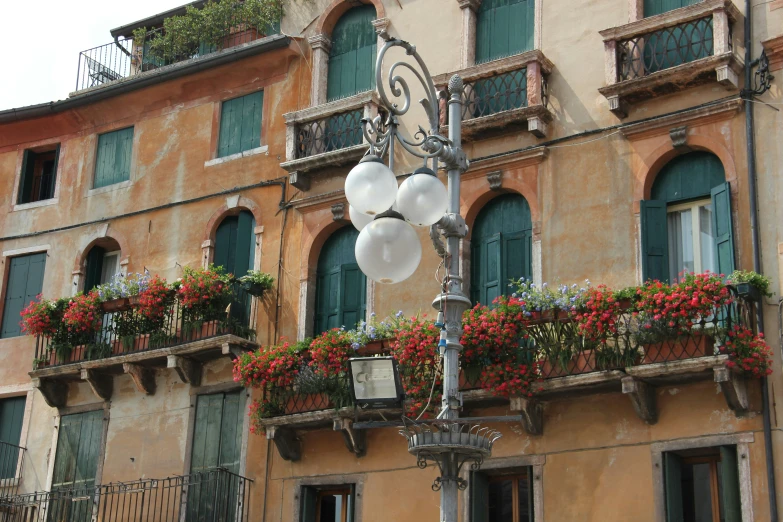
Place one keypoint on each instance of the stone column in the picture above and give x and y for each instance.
(469, 10)
(321, 45)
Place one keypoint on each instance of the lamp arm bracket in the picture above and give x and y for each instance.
(453, 225)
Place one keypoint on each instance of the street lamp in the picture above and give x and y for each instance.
(388, 251)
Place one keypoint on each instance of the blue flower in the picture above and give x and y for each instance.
(398, 314)
(356, 346)
(372, 314)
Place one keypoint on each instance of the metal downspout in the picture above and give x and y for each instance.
(754, 231)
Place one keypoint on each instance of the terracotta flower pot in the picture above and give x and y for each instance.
(305, 403)
(116, 305)
(134, 300)
(696, 345)
(582, 362)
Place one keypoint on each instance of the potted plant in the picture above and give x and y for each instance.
(204, 295)
(117, 294)
(256, 282)
(41, 318)
(750, 285)
(82, 319)
(416, 351)
(748, 352)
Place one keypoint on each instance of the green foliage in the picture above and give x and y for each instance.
(256, 282)
(761, 282)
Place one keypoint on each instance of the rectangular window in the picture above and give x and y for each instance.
(38, 176)
(25, 281)
(702, 485)
(112, 164)
(503, 497)
(328, 503)
(691, 239)
(11, 417)
(240, 124)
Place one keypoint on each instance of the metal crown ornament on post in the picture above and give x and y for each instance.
(388, 250)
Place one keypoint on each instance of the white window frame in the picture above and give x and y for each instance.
(693, 206)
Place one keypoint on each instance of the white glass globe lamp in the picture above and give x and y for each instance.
(358, 219)
(371, 186)
(388, 249)
(422, 198)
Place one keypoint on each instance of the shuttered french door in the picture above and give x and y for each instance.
(341, 286)
(504, 28)
(353, 52)
(235, 252)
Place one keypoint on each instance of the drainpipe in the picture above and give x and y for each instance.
(754, 232)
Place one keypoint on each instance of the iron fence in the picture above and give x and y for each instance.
(126, 329)
(11, 462)
(334, 132)
(213, 495)
(502, 92)
(665, 48)
(104, 64)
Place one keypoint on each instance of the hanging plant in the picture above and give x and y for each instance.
(748, 352)
(41, 317)
(329, 353)
(155, 305)
(83, 316)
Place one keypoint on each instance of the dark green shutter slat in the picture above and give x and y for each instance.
(123, 156)
(308, 504)
(217, 432)
(672, 478)
(112, 164)
(479, 498)
(352, 57)
(78, 445)
(245, 251)
(730, 485)
(53, 182)
(654, 7)
(25, 282)
(493, 269)
(11, 418)
(231, 432)
(655, 243)
(688, 177)
(352, 295)
(251, 121)
(721, 227)
(240, 124)
(225, 238)
(504, 28)
(92, 277)
(340, 285)
(26, 183)
(517, 253)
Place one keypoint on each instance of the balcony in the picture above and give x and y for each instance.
(504, 95)
(665, 53)
(127, 344)
(631, 358)
(214, 495)
(327, 135)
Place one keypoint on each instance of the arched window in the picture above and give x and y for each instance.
(686, 225)
(340, 291)
(352, 58)
(103, 262)
(504, 28)
(501, 247)
(654, 7)
(235, 252)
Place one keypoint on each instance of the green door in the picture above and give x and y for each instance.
(501, 247)
(11, 417)
(352, 57)
(235, 252)
(340, 286)
(504, 28)
(75, 466)
(217, 443)
(25, 281)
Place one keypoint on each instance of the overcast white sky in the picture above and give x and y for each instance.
(41, 41)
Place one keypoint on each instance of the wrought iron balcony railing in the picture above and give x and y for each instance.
(126, 330)
(214, 495)
(124, 57)
(334, 132)
(11, 462)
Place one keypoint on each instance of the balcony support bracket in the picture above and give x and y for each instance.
(355, 440)
(532, 413)
(299, 180)
(143, 377)
(642, 397)
(54, 392)
(102, 385)
(288, 445)
(734, 388)
(234, 350)
(618, 106)
(188, 370)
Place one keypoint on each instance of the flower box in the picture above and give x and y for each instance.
(116, 305)
(208, 329)
(381, 347)
(309, 402)
(254, 289)
(582, 362)
(697, 345)
(748, 292)
(140, 342)
(134, 300)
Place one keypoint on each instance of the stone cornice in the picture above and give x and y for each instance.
(479, 167)
(719, 111)
(774, 49)
(327, 109)
(496, 67)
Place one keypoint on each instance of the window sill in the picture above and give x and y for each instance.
(35, 204)
(264, 149)
(109, 188)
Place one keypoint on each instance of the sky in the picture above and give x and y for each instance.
(42, 40)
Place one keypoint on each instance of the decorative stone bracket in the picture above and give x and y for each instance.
(143, 377)
(532, 412)
(54, 392)
(355, 440)
(642, 397)
(188, 370)
(734, 388)
(288, 445)
(102, 384)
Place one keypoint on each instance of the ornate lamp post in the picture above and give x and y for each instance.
(388, 251)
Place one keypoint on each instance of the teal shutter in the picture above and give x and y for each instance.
(654, 7)
(225, 244)
(308, 504)
(78, 442)
(688, 177)
(729, 485)
(112, 164)
(352, 57)
(672, 479)
(217, 432)
(53, 178)
(25, 281)
(352, 294)
(721, 226)
(479, 497)
(655, 241)
(340, 285)
(235, 252)
(11, 417)
(92, 276)
(26, 181)
(504, 28)
(245, 249)
(240, 124)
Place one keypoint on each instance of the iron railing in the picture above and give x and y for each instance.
(334, 132)
(665, 48)
(214, 495)
(11, 462)
(123, 57)
(126, 330)
(502, 92)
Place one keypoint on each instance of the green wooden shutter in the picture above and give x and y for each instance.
(92, 276)
(352, 294)
(217, 432)
(53, 179)
(124, 152)
(328, 300)
(112, 164)
(252, 106)
(25, 282)
(353, 52)
(672, 478)
(479, 497)
(225, 244)
(504, 28)
(340, 285)
(308, 504)
(517, 251)
(655, 242)
(654, 7)
(78, 444)
(11, 417)
(721, 227)
(245, 250)
(240, 124)
(350, 511)
(491, 277)
(26, 181)
(729, 485)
